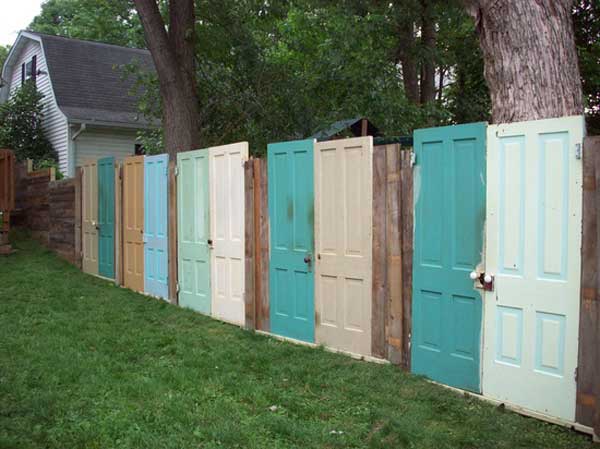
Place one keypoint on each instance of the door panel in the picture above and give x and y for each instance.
(133, 223)
(533, 246)
(291, 202)
(343, 231)
(227, 204)
(193, 207)
(89, 209)
(156, 239)
(449, 218)
(106, 217)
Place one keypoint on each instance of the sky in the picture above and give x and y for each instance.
(14, 16)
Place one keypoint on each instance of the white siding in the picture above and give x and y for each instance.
(54, 122)
(95, 143)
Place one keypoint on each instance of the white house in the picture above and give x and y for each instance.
(90, 109)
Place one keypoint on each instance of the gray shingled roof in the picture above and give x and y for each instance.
(89, 79)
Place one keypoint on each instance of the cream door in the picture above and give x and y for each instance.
(533, 243)
(343, 234)
(89, 211)
(226, 175)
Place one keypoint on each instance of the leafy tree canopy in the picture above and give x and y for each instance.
(21, 127)
(271, 71)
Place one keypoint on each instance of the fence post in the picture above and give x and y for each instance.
(173, 296)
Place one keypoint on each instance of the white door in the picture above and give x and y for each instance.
(343, 234)
(226, 174)
(533, 243)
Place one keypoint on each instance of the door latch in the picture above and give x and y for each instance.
(482, 280)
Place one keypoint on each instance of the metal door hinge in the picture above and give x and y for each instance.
(177, 287)
(413, 158)
(576, 374)
(578, 151)
(176, 170)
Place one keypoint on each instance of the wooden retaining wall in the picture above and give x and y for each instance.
(588, 370)
(62, 219)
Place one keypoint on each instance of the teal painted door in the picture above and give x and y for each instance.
(291, 215)
(156, 242)
(449, 189)
(106, 217)
(193, 225)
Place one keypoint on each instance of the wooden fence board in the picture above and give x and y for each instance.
(379, 279)
(262, 244)
(173, 273)
(588, 371)
(250, 289)
(7, 180)
(406, 220)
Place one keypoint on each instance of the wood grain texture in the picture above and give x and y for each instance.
(7, 180)
(379, 276)
(118, 224)
(588, 371)
(172, 205)
(262, 250)
(396, 313)
(249, 255)
(406, 230)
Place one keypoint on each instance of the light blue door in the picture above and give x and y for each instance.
(106, 217)
(291, 214)
(449, 189)
(156, 240)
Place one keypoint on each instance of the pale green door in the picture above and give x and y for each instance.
(193, 226)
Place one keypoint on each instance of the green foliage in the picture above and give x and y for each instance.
(586, 18)
(4, 49)
(86, 364)
(110, 21)
(21, 125)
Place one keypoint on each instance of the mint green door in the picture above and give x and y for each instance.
(106, 217)
(449, 189)
(193, 230)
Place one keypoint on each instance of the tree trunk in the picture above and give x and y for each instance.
(530, 58)
(405, 54)
(428, 34)
(173, 54)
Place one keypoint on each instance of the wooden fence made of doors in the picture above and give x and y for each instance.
(133, 223)
(156, 238)
(343, 235)
(89, 219)
(193, 225)
(291, 215)
(449, 192)
(534, 220)
(227, 214)
(106, 217)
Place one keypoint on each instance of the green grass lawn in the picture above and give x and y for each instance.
(84, 364)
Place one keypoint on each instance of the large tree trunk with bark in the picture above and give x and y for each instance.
(173, 55)
(405, 54)
(530, 58)
(428, 36)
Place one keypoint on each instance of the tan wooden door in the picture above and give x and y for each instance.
(89, 219)
(133, 223)
(343, 242)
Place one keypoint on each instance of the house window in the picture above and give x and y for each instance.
(29, 70)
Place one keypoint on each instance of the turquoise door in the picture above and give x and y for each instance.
(106, 217)
(156, 241)
(449, 189)
(291, 215)
(193, 226)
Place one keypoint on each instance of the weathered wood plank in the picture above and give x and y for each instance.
(118, 224)
(588, 371)
(379, 276)
(262, 249)
(406, 221)
(173, 280)
(249, 295)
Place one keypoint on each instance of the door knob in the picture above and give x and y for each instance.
(473, 275)
(209, 242)
(308, 259)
